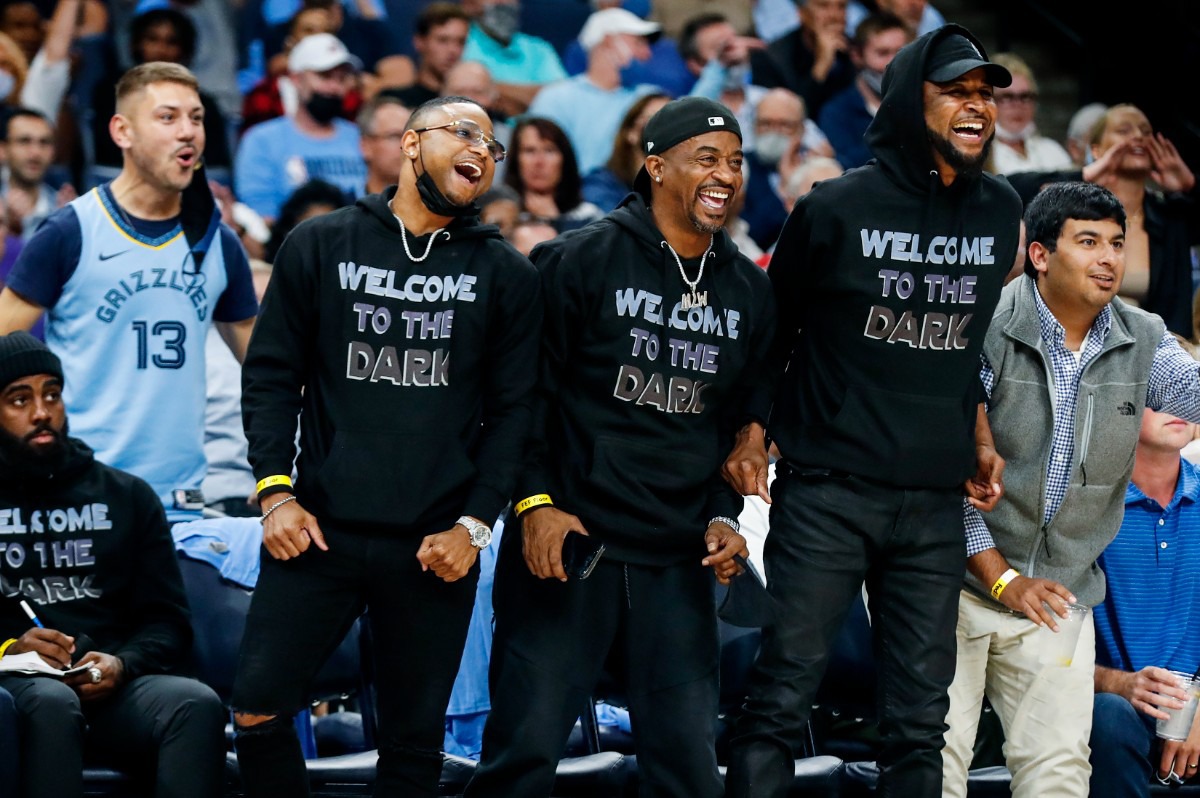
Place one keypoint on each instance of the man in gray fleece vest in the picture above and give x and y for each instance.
(1068, 369)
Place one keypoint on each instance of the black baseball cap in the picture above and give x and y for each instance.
(955, 55)
(678, 121)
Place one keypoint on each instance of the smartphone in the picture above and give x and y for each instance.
(580, 553)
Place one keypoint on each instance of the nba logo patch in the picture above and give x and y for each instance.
(714, 121)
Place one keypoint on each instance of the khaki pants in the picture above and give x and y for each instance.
(1046, 709)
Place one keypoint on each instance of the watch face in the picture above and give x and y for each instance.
(481, 537)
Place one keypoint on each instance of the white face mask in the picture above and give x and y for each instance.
(623, 52)
(770, 147)
(7, 84)
(1016, 136)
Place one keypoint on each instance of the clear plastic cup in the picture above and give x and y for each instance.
(1059, 649)
(1180, 724)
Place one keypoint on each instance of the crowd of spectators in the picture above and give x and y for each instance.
(302, 90)
(306, 102)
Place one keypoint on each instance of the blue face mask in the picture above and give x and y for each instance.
(7, 84)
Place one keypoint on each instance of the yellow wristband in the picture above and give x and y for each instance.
(533, 501)
(6, 644)
(270, 482)
(1003, 581)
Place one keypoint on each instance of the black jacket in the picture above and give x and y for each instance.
(639, 400)
(886, 281)
(412, 380)
(89, 548)
(788, 61)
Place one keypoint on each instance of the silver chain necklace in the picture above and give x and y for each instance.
(692, 298)
(428, 247)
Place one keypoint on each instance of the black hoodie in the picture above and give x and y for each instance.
(412, 380)
(886, 281)
(89, 548)
(638, 399)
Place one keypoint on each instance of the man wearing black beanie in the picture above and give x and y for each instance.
(654, 328)
(87, 549)
(886, 279)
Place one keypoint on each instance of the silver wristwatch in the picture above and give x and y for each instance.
(480, 534)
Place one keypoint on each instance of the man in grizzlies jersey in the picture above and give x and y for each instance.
(131, 276)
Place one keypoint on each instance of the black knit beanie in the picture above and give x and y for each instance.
(22, 355)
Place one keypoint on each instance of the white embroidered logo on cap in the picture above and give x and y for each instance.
(649, 146)
(715, 120)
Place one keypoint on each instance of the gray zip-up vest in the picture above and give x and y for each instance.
(1108, 416)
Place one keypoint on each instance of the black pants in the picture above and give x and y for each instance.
(656, 625)
(9, 746)
(829, 534)
(171, 725)
(302, 608)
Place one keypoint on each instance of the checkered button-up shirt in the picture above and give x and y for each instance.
(1173, 387)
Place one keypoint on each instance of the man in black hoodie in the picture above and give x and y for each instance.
(655, 329)
(886, 279)
(87, 548)
(404, 335)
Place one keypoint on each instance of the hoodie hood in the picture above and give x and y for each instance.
(633, 214)
(897, 134)
(463, 227)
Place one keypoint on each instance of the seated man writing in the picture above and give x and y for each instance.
(87, 549)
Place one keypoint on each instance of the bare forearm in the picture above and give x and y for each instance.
(987, 566)
(1111, 680)
(983, 428)
(61, 30)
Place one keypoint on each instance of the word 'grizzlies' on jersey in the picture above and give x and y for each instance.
(130, 327)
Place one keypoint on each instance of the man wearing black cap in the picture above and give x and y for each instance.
(886, 279)
(87, 548)
(654, 331)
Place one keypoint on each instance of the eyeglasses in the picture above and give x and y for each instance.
(1018, 97)
(472, 134)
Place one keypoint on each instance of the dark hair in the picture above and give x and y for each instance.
(185, 31)
(15, 113)
(626, 159)
(294, 19)
(1058, 202)
(314, 192)
(568, 194)
(437, 14)
(874, 24)
(687, 37)
(422, 111)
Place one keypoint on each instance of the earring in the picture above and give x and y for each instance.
(658, 179)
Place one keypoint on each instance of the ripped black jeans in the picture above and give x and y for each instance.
(302, 608)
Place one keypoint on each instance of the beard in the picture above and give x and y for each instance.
(712, 228)
(37, 460)
(971, 166)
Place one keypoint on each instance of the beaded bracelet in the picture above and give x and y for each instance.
(275, 507)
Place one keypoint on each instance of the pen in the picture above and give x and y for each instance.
(32, 617)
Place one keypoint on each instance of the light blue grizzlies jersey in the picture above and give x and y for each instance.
(130, 328)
